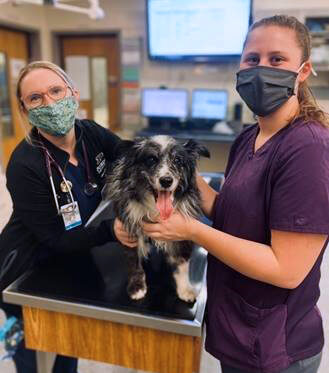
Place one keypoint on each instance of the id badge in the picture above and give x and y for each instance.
(71, 215)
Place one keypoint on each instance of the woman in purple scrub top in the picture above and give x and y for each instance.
(271, 217)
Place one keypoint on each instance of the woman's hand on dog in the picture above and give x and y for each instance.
(176, 228)
(122, 235)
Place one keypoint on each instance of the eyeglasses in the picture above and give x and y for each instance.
(36, 99)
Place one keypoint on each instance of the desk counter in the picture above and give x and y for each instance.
(200, 135)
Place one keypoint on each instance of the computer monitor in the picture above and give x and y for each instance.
(164, 103)
(209, 104)
(197, 30)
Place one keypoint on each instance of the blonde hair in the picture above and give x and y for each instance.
(41, 65)
(308, 107)
(27, 69)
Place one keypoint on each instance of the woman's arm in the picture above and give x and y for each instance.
(208, 196)
(285, 263)
(34, 206)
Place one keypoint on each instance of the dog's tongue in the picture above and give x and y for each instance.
(164, 205)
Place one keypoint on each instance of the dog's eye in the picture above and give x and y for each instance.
(177, 161)
(151, 160)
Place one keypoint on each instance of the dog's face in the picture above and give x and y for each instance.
(162, 167)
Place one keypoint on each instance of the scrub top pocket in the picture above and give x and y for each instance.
(246, 332)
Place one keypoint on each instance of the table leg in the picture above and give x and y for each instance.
(45, 361)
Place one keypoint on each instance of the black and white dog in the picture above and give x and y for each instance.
(151, 177)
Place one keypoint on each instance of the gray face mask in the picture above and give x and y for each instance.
(264, 89)
(56, 119)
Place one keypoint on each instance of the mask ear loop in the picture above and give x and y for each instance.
(300, 67)
(298, 71)
(314, 72)
(312, 69)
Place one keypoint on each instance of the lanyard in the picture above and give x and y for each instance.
(89, 188)
(50, 160)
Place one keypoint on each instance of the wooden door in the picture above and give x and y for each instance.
(13, 56)
(81, 56)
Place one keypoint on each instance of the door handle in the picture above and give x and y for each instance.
(112, 80)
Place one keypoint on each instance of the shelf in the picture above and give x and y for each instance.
(320, 68)
(322, 34)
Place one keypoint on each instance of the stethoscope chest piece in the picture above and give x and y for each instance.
(90, 188)
(66, 186)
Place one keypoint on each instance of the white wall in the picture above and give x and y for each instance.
(23, 15)
(128, 16)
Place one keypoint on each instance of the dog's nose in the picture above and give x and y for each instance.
(166, 181)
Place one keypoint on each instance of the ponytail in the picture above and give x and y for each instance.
(309, 108)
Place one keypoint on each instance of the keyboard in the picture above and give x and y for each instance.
(186, 134)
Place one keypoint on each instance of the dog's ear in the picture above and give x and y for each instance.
(122, 147)
(196, 148)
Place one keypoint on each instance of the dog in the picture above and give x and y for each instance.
(151, 177)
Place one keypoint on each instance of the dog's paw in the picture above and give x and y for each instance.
(137, 288)
(184, 289)
(140, 294)
(187, 294)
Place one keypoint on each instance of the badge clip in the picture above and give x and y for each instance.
(66, 186)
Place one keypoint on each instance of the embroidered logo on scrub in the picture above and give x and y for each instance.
(100, 164)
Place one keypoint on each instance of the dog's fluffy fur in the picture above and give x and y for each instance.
(153, 176)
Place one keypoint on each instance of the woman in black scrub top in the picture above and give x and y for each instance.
(55, 176)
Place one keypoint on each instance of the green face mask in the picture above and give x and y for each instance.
(56, 119)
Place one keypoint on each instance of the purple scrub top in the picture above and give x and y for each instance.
(284, 185)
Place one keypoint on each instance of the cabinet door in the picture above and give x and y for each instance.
(13, 56)
(93, 62)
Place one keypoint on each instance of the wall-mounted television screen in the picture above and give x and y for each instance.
(197, 30)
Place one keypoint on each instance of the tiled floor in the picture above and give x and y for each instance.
(208, 363)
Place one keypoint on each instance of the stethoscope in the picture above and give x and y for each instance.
(90, 187)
